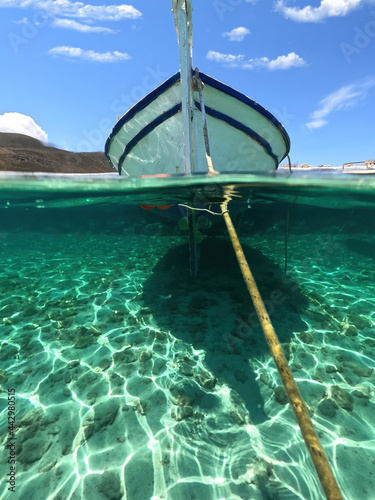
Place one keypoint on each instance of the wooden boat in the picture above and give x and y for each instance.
(194, 124)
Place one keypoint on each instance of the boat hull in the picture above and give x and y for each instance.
(243, 136)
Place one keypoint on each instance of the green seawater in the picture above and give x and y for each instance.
(134, 381)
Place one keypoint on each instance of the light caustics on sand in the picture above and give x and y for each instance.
(116, 387)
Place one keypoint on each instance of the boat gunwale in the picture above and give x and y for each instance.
(218, 85)
(145, 131)
(210, 112)
(139, 106)
(212, 82)
(242, 128)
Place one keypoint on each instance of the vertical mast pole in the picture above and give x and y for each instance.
(182, 14)
(182, 11)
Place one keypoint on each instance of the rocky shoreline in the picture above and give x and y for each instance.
(368, 164)
(21, 153)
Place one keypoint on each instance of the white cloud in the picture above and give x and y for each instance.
(224, 58)
(77, 9)
(316, 124)
(282, 62)
(21, 124)
(344, 98)
(327, 8)
(89, 55)
(292, 60)
(237, 34)
(84, 28)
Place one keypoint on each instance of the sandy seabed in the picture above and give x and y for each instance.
(135, 381)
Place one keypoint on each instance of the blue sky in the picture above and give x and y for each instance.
(69, 68)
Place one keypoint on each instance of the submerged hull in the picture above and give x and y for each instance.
(243, 136)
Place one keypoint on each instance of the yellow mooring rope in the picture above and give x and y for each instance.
(314, 447)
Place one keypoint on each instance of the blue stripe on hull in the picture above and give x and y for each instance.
(152, 96)
(240, 126)
(145, 131)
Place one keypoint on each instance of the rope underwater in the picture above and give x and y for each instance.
(326, 477)
(314, 447)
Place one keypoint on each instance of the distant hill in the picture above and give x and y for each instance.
(21, 153)
(10, 140)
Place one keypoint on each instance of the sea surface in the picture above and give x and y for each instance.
(133, 380)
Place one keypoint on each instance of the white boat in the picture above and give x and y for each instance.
(194, 124)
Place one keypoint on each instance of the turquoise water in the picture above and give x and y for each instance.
(134, 380)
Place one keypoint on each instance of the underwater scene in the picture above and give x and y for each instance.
(122, 377)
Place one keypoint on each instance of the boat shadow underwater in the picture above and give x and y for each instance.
(213, 313)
